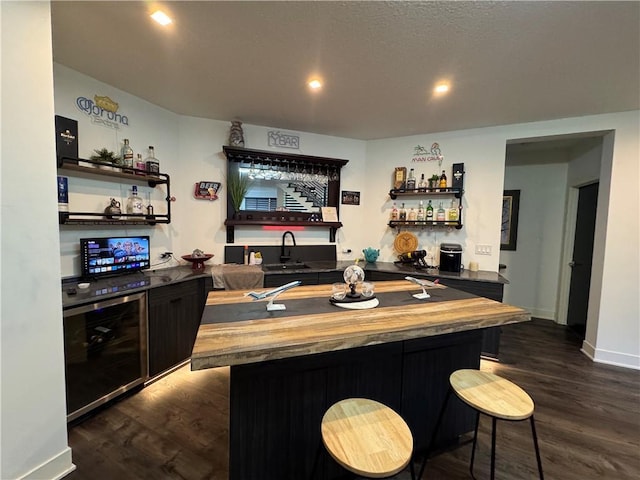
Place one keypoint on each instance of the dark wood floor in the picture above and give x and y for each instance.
(587, 414)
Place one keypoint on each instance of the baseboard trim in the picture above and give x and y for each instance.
(589, 350)
(55, 468)
(544, 314)
(608, 357)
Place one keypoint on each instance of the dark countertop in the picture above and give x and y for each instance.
(116, 286)
(390, 267)
(139, 282)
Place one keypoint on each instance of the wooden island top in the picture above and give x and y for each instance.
(236, 330)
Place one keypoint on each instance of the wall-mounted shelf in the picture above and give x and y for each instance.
(430, 192)
(231, 224)
(424, 224)
(103, 171)
(421, 192)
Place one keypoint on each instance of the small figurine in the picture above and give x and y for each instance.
(113, 210)
(236, 136)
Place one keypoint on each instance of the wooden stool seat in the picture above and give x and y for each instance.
(367, 438)
(491, 394)
(494, 396)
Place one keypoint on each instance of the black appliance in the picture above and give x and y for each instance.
(105, 349)
(450, 257)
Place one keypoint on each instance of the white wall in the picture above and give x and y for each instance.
(148, 125)
(534, 267)
(616, 310)
(33, 432)
(482, 151)
(616, 247)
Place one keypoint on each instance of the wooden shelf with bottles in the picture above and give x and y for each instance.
(428, 192)
(403, 192)
(84, 168)
(425, 224)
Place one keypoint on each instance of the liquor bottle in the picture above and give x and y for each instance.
(420, 216)
(443, 180)
(134, 202)
(151, 162)
(394, 212)
(440, 214)
(139, 166)
(127, 156)
(422, 185)
(403, 213)
(412, 215)
(453, 211)
(411, 181)
(429, 211)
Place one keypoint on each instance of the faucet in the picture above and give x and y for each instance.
(283, 257)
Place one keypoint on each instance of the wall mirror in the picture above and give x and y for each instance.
(287, 186)
(283, 188)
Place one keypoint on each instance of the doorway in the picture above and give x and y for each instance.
(581, 259)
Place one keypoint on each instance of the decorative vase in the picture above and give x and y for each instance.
(236, 135)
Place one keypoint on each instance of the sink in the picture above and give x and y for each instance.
(284, 266)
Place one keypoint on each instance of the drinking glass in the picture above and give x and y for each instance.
(367, 289)
(339, 291)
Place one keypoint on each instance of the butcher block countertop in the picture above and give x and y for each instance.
(236, 330)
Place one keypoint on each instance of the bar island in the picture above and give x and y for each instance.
(289, 366)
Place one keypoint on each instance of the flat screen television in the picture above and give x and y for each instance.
(101, 257)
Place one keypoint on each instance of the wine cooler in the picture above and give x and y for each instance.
(105, 348)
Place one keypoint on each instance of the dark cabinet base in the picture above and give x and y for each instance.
(277, 406)
(174, 319)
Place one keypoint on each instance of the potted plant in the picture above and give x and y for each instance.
(238, 186)
(105, 156)
(433, 181)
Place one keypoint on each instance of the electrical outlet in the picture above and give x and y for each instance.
(483, 249)
(346, 250)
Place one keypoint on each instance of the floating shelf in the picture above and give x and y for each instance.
(91, 169)
(421, 192)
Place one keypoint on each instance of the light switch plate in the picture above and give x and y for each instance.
(482, 249)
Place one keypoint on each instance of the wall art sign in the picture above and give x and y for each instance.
(434, 154)
(350, 198)
(103, 111)
(206, 190)
(277, 139)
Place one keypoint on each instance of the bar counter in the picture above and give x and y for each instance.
(289, 366)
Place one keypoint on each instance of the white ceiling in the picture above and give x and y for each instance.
(508, 62)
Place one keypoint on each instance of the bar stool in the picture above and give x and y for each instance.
(367, 438)
(494, 396)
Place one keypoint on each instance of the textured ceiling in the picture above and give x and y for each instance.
(508, 62)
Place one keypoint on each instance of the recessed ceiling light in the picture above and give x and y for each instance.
(161, 17)
(315, 84)
(441, 88)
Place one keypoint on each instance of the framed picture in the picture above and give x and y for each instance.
(350, 198)
(329, 214)
(509, 229)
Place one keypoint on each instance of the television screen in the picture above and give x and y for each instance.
(113, 255)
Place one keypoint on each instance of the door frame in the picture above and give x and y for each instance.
(571, 215)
